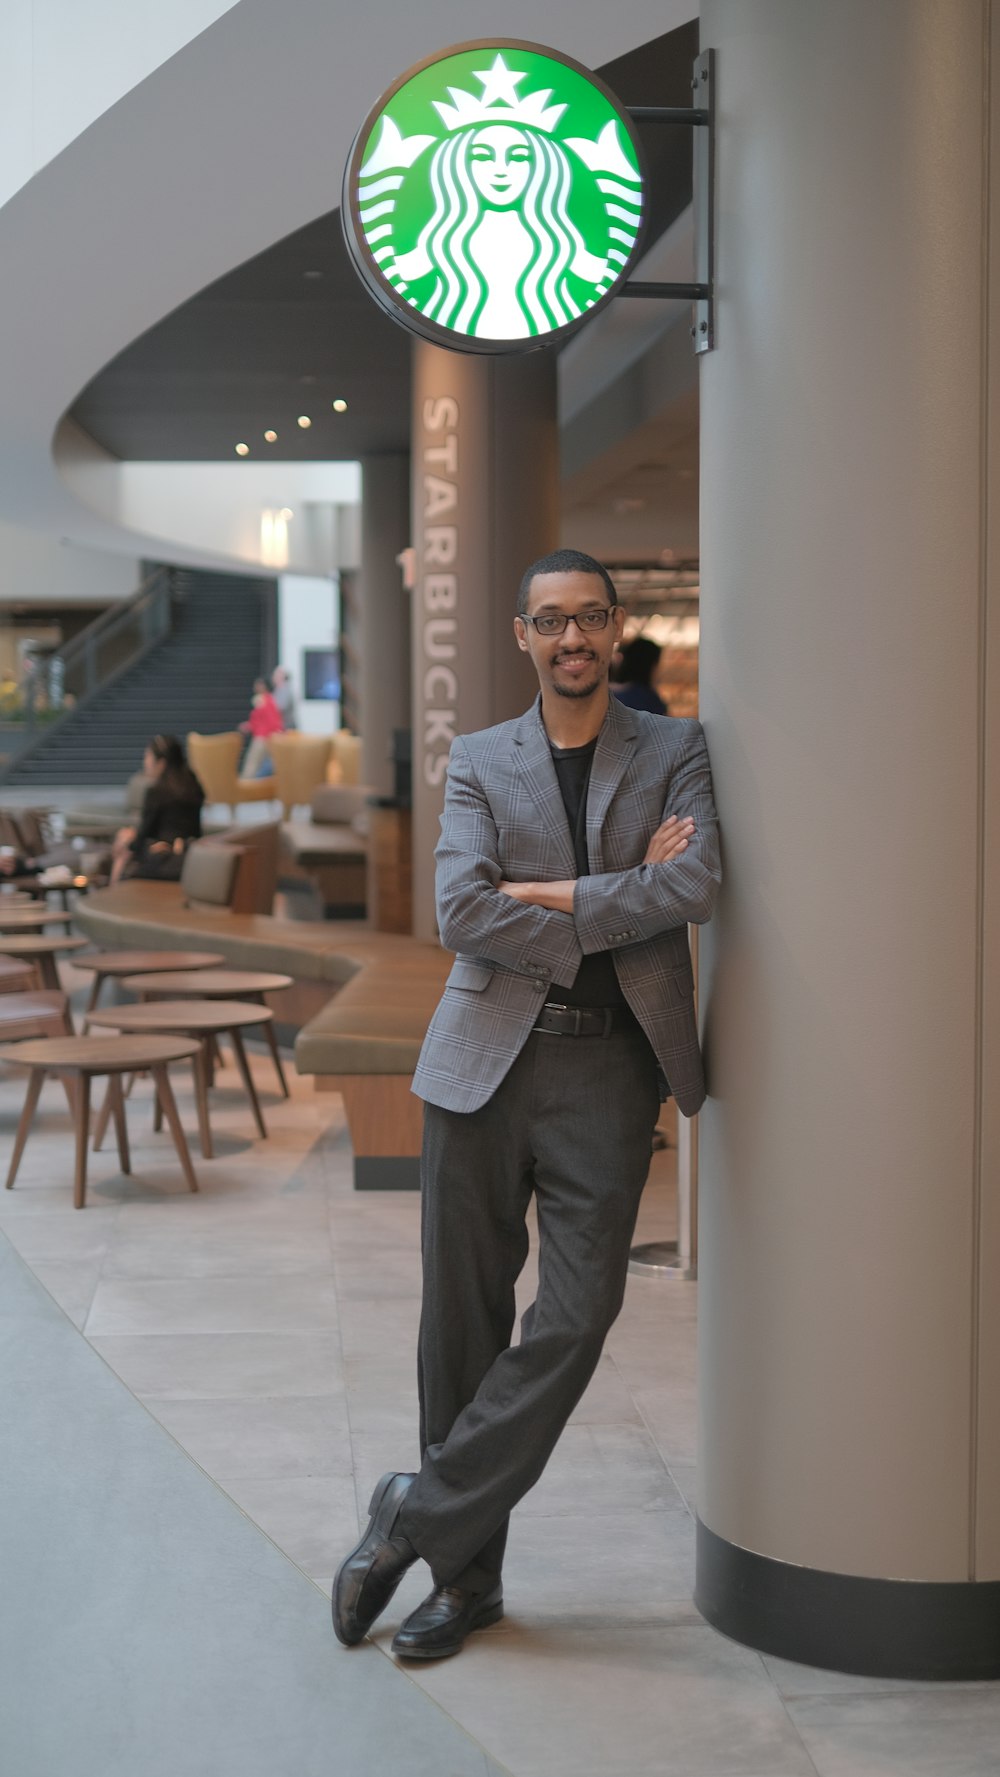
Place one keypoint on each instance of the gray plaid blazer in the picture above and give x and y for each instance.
(504, 820)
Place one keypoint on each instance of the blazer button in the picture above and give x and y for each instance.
(541, 986)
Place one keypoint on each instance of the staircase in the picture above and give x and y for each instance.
(199, 676)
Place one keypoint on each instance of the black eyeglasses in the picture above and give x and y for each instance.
(552, 623)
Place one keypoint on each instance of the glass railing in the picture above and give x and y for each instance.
(54, 685)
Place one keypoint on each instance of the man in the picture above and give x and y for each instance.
(576, 845)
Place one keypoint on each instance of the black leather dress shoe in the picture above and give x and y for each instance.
(366, 1581)
(439, 1626)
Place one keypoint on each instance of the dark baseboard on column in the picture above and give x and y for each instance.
(387, 1172)
(845, 1623)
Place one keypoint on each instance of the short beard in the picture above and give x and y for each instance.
(576, 691)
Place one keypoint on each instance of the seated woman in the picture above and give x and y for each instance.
(170, 819)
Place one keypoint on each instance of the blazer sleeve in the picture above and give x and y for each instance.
(473, 916)
(627, 906)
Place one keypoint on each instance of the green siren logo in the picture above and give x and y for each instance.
(494, 197)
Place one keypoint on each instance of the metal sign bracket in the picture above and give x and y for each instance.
(700, 116)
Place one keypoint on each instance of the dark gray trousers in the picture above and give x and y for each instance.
(572, 1123)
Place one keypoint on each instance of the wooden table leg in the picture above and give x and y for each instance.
(157, 1110)
(102, 1119)
(47, 969)
(236, 1038)
(35, 1080)
(118, 1111)
(82, 1137)
(165, 1094)
(272, 1043)
(92, 999)
(199, 1067)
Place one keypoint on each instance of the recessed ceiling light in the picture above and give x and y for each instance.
(304, 421)
(340, 405)
(272, 437)
(286, 513)
(243, 450)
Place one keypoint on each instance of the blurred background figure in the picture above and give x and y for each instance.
(170, 818)
(283, 692)
(263, 721)
(639, 660)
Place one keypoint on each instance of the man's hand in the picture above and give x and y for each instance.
(556, 896)
(669, 841)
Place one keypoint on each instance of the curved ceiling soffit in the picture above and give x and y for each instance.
(237, 140)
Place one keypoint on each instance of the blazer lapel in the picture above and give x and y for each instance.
(612, 756)
(534, 759)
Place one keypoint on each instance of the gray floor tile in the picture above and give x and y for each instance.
(73, 1287)
(203, 1366)
(260, 1437)
(598, 1469)
(61, 1236)
(214, 1305)
(313, 1518)
(951, 1732)
(250, 1249)
(575, 1702)
(617, 1568)
(671, 1415)
(607, 1400)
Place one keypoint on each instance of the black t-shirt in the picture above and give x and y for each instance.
(170, 811)
(597, 981)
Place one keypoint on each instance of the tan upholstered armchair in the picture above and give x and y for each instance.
(345, 759)
(300, 762)
(214, 759)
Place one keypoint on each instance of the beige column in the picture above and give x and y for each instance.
(485, 505)
(385, 614)
(849, 1484)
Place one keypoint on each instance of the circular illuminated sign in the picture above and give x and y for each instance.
(495, 197)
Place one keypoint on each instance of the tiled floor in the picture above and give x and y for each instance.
(269, 1323)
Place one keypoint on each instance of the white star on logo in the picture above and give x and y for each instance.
(499, 83)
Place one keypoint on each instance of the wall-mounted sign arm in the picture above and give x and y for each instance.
(689, 114)
(702, 114)
(679, 292)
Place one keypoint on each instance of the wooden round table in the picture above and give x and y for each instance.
(32, 919)
(201, 1019)
(41, 948)
(78, 1060)
(117, 965)
(218, 984)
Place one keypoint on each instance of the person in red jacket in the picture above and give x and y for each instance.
(264, 720)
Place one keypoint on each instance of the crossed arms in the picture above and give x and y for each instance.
(548, 927)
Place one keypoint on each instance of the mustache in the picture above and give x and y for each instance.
(574, 654)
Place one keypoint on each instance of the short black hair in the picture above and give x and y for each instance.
(640, 659)
(564, 561)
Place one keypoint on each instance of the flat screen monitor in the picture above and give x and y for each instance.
(321, 675)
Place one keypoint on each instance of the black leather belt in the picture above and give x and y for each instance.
(580, 1021)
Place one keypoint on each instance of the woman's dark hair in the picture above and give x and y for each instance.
(177, 776)
(640, 659)
(564, 561)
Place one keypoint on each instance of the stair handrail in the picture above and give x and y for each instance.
(45, 686)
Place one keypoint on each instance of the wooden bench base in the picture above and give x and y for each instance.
(386, 1125)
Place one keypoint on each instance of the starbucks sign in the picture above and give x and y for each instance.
(495, 197)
